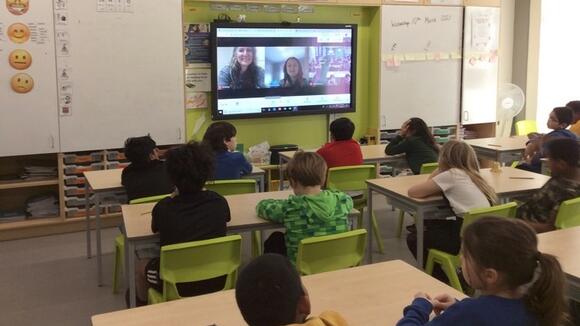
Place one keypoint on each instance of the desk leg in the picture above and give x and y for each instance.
(88, 215)
(130, 270)
(419, 224)
(282, 160)
(98, 235)
(369, 226)
(262, 181)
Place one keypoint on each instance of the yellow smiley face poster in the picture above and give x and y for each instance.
(20, 59)
(21, 83)
(17, 7)
(18, 33)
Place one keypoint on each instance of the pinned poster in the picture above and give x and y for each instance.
(196, 41)
(196, 100)
(198, 79)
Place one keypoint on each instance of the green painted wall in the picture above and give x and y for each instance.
(306, 131)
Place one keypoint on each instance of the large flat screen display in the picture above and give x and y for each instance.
(268, 70)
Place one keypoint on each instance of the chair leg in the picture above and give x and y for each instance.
(451, 273)
(377, 233)
(401, 223)
(256, 244)
(116, 269)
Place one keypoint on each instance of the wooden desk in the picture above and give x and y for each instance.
(137, 221)
(565, 245)
(372, 154)
(396, 191)
(367, 295)
(503, 150)
(109, 181)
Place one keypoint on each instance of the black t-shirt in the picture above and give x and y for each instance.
(149, 180)
(191, 217)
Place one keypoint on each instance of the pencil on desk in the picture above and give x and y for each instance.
(145, 213)
(527, 178)
(496, 145)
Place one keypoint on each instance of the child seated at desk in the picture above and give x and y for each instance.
(518, 285)
(310, 212)
(541, 209)
(560, 118)
(342, 150)
(193, 214)
(221, 137)
(575, 127)
(269, 292)
(416, 142)
(459, 181)
(146, 175)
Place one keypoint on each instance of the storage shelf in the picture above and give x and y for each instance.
(11, 184)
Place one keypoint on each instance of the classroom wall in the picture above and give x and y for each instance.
(306, 131)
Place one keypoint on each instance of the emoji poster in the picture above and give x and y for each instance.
(196, 43)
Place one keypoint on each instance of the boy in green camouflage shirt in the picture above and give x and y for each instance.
(310, 212)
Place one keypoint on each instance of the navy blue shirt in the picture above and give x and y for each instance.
(230, 165)
(486, 310)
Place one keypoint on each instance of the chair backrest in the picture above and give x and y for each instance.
(232, 187)
(350, 178)
(331, 252)
(524, 127)
(199, 260)
(568, 214)
(427, 168)
(150, 199)
(504, 210)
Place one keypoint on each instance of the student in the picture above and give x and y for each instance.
(193, 214)
(560, 118)
(416, 142)
(146, 175)
(342, 150)
(243, 71)
(518, 284)
(293, 75)
(269, 292)
(221, 137)
(310, 212)
(459, 181)
(575, 106)
(541, 209)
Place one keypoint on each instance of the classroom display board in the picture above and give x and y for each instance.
(28, 101)
(420, 73)
(480, 65)
(119, 72)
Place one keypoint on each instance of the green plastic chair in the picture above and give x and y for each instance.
(426, 168)
(331, 252)
(197, 261)
(524, 127)
(120, 242)
(232, 187)
(238, 187)
(568, 214)
(449, 263)
(353, 178)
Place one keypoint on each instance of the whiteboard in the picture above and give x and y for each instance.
(125, 69)
(420, 74)
(480, 65)
(28, 120)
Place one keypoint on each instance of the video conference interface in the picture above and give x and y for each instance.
(266, 70)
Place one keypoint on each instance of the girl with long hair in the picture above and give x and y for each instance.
(242, 72)
(293, 75)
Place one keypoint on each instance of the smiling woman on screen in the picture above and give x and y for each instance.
(242, 72)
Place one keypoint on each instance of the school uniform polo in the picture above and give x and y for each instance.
(341, 153)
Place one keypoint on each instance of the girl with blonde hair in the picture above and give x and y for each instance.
(459, 181)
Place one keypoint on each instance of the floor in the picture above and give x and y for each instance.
(50, 281)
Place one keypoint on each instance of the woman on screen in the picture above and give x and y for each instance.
(242, 72)
(293, 76)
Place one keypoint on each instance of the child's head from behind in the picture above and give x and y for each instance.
(221, 136)
(500, 255)
(575, 106)
(307, 169)
(563, 154)
(418, 128)
(341, 129)
(269, 292)
(189, 166)
(140, 150)
(560, 118)
(458, 154)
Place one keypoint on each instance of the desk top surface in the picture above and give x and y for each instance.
(563, 244)
(137, 218)
(500, 144)
(104, 180)
(368, 295)
(369, 152)
(505, 182)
